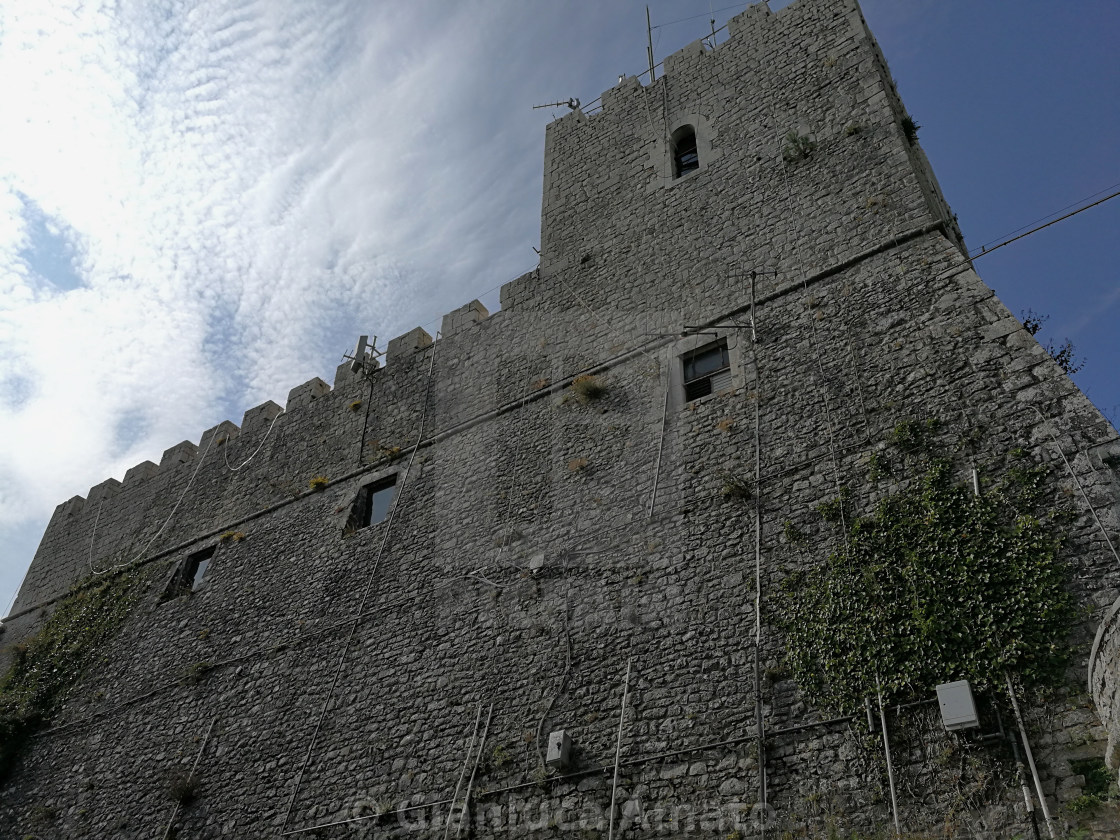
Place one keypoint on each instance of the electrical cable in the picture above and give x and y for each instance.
(1048, 215)
(365, 593)
(178, 502)
(987, 251)
(93, 536)
(710, 13)
(225, 451)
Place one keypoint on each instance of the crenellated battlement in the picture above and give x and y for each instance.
(282, 447)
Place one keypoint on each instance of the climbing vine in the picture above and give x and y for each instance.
(47, 666)
(936, 584)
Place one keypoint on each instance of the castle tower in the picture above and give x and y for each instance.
(384, 605)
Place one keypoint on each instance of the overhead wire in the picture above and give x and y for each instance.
(708, 15)
(984, 252)
(225, 450)
(178, 502)
(365, 592)
(1048, 215)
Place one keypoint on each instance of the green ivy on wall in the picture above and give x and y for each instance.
(937, 584)
(48, 665)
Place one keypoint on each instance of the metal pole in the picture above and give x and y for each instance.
(618, 742)
(1021, 771)
(759, 724)
(465, 814)
(194, 767)
(1030, 756)
(463, 772)
(660, 444)
(649, 48)
(887, 752)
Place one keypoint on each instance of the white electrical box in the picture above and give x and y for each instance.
(958, 709)
(559, 749)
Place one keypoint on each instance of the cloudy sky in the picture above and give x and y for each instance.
(203, 203)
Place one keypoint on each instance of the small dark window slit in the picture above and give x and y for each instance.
(685, 158)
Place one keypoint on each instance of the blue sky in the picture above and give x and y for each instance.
(202, 204)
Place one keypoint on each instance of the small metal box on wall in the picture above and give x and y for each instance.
(559, 749)
(958, 709)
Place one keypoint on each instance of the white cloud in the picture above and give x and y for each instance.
(249, 185)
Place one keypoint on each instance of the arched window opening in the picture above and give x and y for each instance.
(685, 159)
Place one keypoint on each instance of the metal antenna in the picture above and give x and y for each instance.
(572, 103)
(366, 357)
(649, 47)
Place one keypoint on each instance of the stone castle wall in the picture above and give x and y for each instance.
(539, 544)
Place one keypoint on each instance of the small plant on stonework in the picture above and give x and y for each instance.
(355, 405)
(1100, 784)
(910, 128)
(43, 815)
(726, 424)
(797, 147)
(833, 509)
(498, 758)
(852, 129)
(231, 536)
(385, 812)
(389, 453)
(793, 535)
(182, 787)
(734, 487)
(588, 387)
(318, 483)
(878, 466)
(578, 465)
(193, 673)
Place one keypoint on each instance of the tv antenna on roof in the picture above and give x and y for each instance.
(572, 103)
(366, 358)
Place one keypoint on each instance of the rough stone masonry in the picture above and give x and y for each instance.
(550, 529)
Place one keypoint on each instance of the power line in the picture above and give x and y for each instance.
(985, 251)
(694, 17)
(1048, 215)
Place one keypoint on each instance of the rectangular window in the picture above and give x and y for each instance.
(372, 503)
(191, 574)
(196, 567)
(707, 370)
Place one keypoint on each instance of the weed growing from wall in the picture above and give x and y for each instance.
(935, 584)
(588, 388)
(48, 666)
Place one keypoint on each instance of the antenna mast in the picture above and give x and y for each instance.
(649, 45)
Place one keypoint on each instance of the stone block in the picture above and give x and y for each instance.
(180, 453)
(141, 472)
(407, 344)
(220, 435)
(466, 315)
(685, 56)
(260, 417)
(307, 393)
(105, 490)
